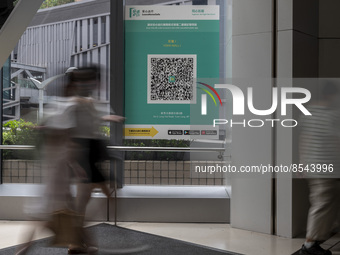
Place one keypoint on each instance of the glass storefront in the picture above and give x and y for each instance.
(78, 34)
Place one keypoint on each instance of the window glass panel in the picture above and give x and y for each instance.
(63, 37)
(63, 34)
(171, 167)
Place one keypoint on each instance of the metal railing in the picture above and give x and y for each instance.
(127, 148)
(173, 149)
(17, 147)
(133, 148)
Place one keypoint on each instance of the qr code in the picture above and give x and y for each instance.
(171, 79)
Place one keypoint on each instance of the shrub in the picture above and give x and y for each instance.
(155, 155)
(151, 155)
(19, 132)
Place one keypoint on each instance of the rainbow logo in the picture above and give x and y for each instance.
(204, 97)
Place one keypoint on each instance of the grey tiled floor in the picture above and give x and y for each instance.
(220, 236)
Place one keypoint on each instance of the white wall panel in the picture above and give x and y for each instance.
(251, 16)
(251, 200)
(252, 55)
(285, 14)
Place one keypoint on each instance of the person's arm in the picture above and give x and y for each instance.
(113, 118)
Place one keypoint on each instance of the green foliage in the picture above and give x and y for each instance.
(51, 3)
(23, 133)
(19, 132)
(105, 131)
(155, 155)
(150, 155)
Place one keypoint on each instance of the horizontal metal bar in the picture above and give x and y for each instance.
(173, 149)
(17, 147)
(126, 148)
(174, 2)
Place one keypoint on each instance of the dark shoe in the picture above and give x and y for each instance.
(316, 249)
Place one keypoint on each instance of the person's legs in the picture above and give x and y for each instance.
(87, 243)
(323, 210)
(322, 214)
(80, 165)
(83, 197)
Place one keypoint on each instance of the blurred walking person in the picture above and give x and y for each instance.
(71, 151)
(319, 146)
(89, 150)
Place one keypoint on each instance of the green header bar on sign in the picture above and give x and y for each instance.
(183, 12)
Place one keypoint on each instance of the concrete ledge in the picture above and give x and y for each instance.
(144, 191)
(135, 203)
(18, 200)
(172, 204)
